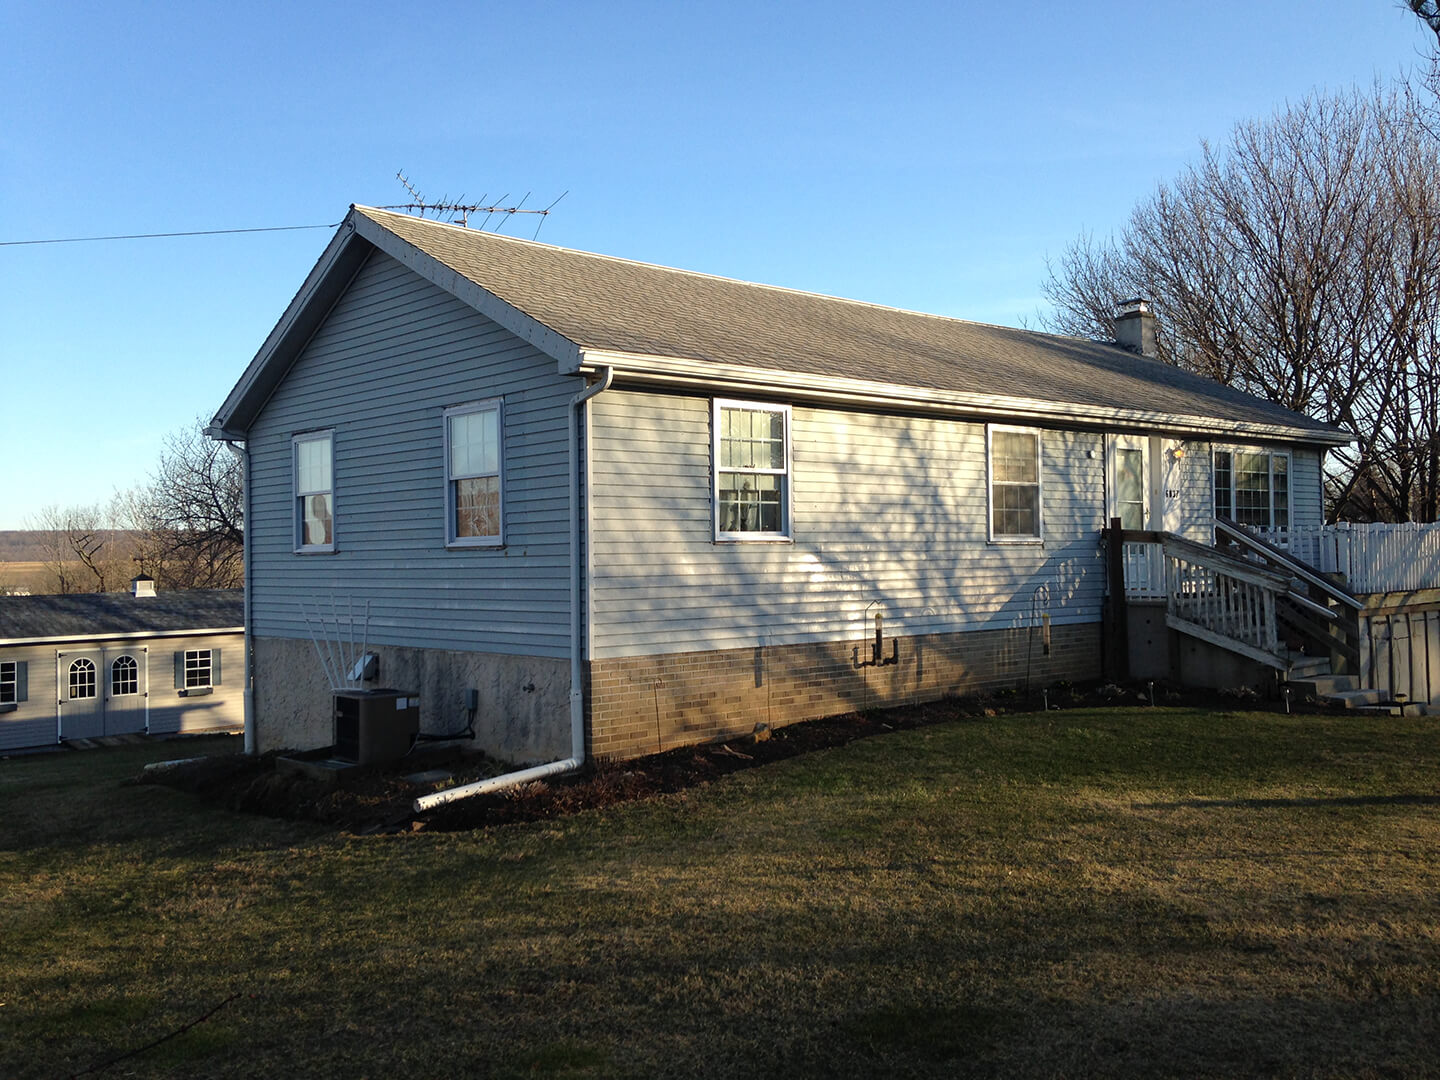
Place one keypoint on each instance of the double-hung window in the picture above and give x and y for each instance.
(474, 487)
(752, 470)
(314, 482)
(1252, 487)
(1013, 468)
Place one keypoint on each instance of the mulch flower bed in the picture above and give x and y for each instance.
(380, 800)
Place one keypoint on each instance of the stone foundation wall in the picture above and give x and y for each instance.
(524, 713)
(645, 704)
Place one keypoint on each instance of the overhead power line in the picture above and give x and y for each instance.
(160, 235)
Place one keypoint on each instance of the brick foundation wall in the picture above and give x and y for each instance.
(645, 704)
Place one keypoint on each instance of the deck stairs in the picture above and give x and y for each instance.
(1256, 600)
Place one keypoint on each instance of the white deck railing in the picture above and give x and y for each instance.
(1374, 557)
(1144, 571)
(1219, 597)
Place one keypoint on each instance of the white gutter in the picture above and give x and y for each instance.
(709, 377)
(577, 643)
(136, 636)
(247, 694)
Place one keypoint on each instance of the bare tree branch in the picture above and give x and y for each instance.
(189, 516)
(1299, 262)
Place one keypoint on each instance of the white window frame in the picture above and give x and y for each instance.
(786, 533)
(298, 495)
(1038, 537)
(131, 684)
(497, 406)
(9, 682)
(204, 662)
(82, 665)
(1270, 455)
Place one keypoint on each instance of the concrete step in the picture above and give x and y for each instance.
(1321, 686)
(1379, 710)
(1305, 667)
(1356, 699)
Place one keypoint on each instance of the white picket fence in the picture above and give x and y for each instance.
(1373, 557)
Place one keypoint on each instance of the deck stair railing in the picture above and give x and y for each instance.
(1246, 596)
(1316, 609)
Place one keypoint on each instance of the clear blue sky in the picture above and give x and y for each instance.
(924, 155)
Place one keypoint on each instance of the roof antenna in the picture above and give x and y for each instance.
(420, 206)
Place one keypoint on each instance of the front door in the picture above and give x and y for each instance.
(125, 697)
(82, 680)
(1129, 484)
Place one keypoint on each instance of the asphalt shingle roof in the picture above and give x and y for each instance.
(74, 614)
(605, 303)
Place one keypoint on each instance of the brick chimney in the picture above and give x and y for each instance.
(1135, 327)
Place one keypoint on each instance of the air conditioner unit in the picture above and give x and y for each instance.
(373, 726)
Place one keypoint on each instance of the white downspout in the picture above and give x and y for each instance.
(577, 644)
(247, 693)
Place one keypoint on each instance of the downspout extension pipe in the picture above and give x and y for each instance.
(577, 671)
(247, 693)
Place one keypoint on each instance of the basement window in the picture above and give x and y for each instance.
(751, 453)
(474, 480)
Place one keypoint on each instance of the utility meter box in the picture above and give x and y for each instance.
(375, 726)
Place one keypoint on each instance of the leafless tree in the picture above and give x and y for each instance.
(1428, 11)
(188, 518)
(82, 549)
(1300, 262)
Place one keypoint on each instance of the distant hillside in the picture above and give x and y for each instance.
(35, 545)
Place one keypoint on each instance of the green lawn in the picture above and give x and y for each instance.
(1146, 892)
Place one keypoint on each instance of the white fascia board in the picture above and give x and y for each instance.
(128, 635)
(325, 267)
(433, 270)
(710, 378)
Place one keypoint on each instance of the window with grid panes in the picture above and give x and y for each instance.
(1252, 487)
(752, 470)
(197, 669)
(124, 677)
(9, 682)
(1014, 471)
(82, 679)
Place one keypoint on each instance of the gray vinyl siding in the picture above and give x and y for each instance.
(35, 721)
(1191, 511)
(223, 709)
(1307, 489)
(391, 356)
(1307, 482)
(32, 723)
(890, 515)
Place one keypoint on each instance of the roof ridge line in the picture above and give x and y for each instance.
(715, 277)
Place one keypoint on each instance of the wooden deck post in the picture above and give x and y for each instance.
(1117, 652)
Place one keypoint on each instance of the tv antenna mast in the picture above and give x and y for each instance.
(461, 210)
